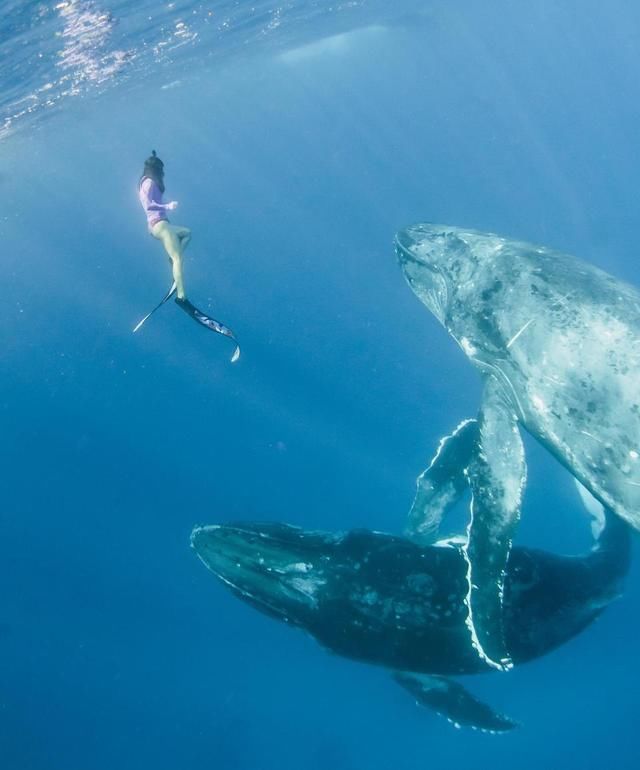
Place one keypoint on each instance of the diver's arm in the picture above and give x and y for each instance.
(151, 205)
(155, 206)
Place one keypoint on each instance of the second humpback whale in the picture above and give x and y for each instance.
(558, 343)
(389, 601)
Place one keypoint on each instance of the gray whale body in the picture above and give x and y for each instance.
(558, 343)
(391, 602)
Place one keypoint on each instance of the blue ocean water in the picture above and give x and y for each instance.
(298, 138)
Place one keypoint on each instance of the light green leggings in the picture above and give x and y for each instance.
(175, 240)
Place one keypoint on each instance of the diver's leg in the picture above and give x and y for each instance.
(442, 484)
(497, 475)
(184, 234)
(168, 235)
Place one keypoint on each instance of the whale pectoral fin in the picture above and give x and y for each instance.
(442, 484)
(497, 475)
(453, 701)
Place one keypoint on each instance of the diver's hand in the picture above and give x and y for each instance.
(172, 205)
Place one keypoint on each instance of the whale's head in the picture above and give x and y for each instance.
(277, 568)
(438, 259)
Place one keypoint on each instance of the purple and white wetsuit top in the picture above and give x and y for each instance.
(151, 200)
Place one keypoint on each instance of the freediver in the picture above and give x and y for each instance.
(175, 239)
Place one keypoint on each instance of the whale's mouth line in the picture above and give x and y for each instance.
(405, 257)
(262, 589)
(278, 576)
(429, 284)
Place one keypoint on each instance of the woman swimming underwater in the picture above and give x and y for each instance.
(175, 239)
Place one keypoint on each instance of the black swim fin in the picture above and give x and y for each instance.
(210, 323)
(166, 298)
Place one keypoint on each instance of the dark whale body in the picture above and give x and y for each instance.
(388, 601)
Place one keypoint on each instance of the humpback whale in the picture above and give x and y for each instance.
(389, 601)
(558, 343)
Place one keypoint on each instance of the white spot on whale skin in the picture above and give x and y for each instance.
(538, 403)
(468, 347)
(633, 454)
(307, 586)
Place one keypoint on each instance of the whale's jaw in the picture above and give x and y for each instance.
(418, 253)
(275, 567)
